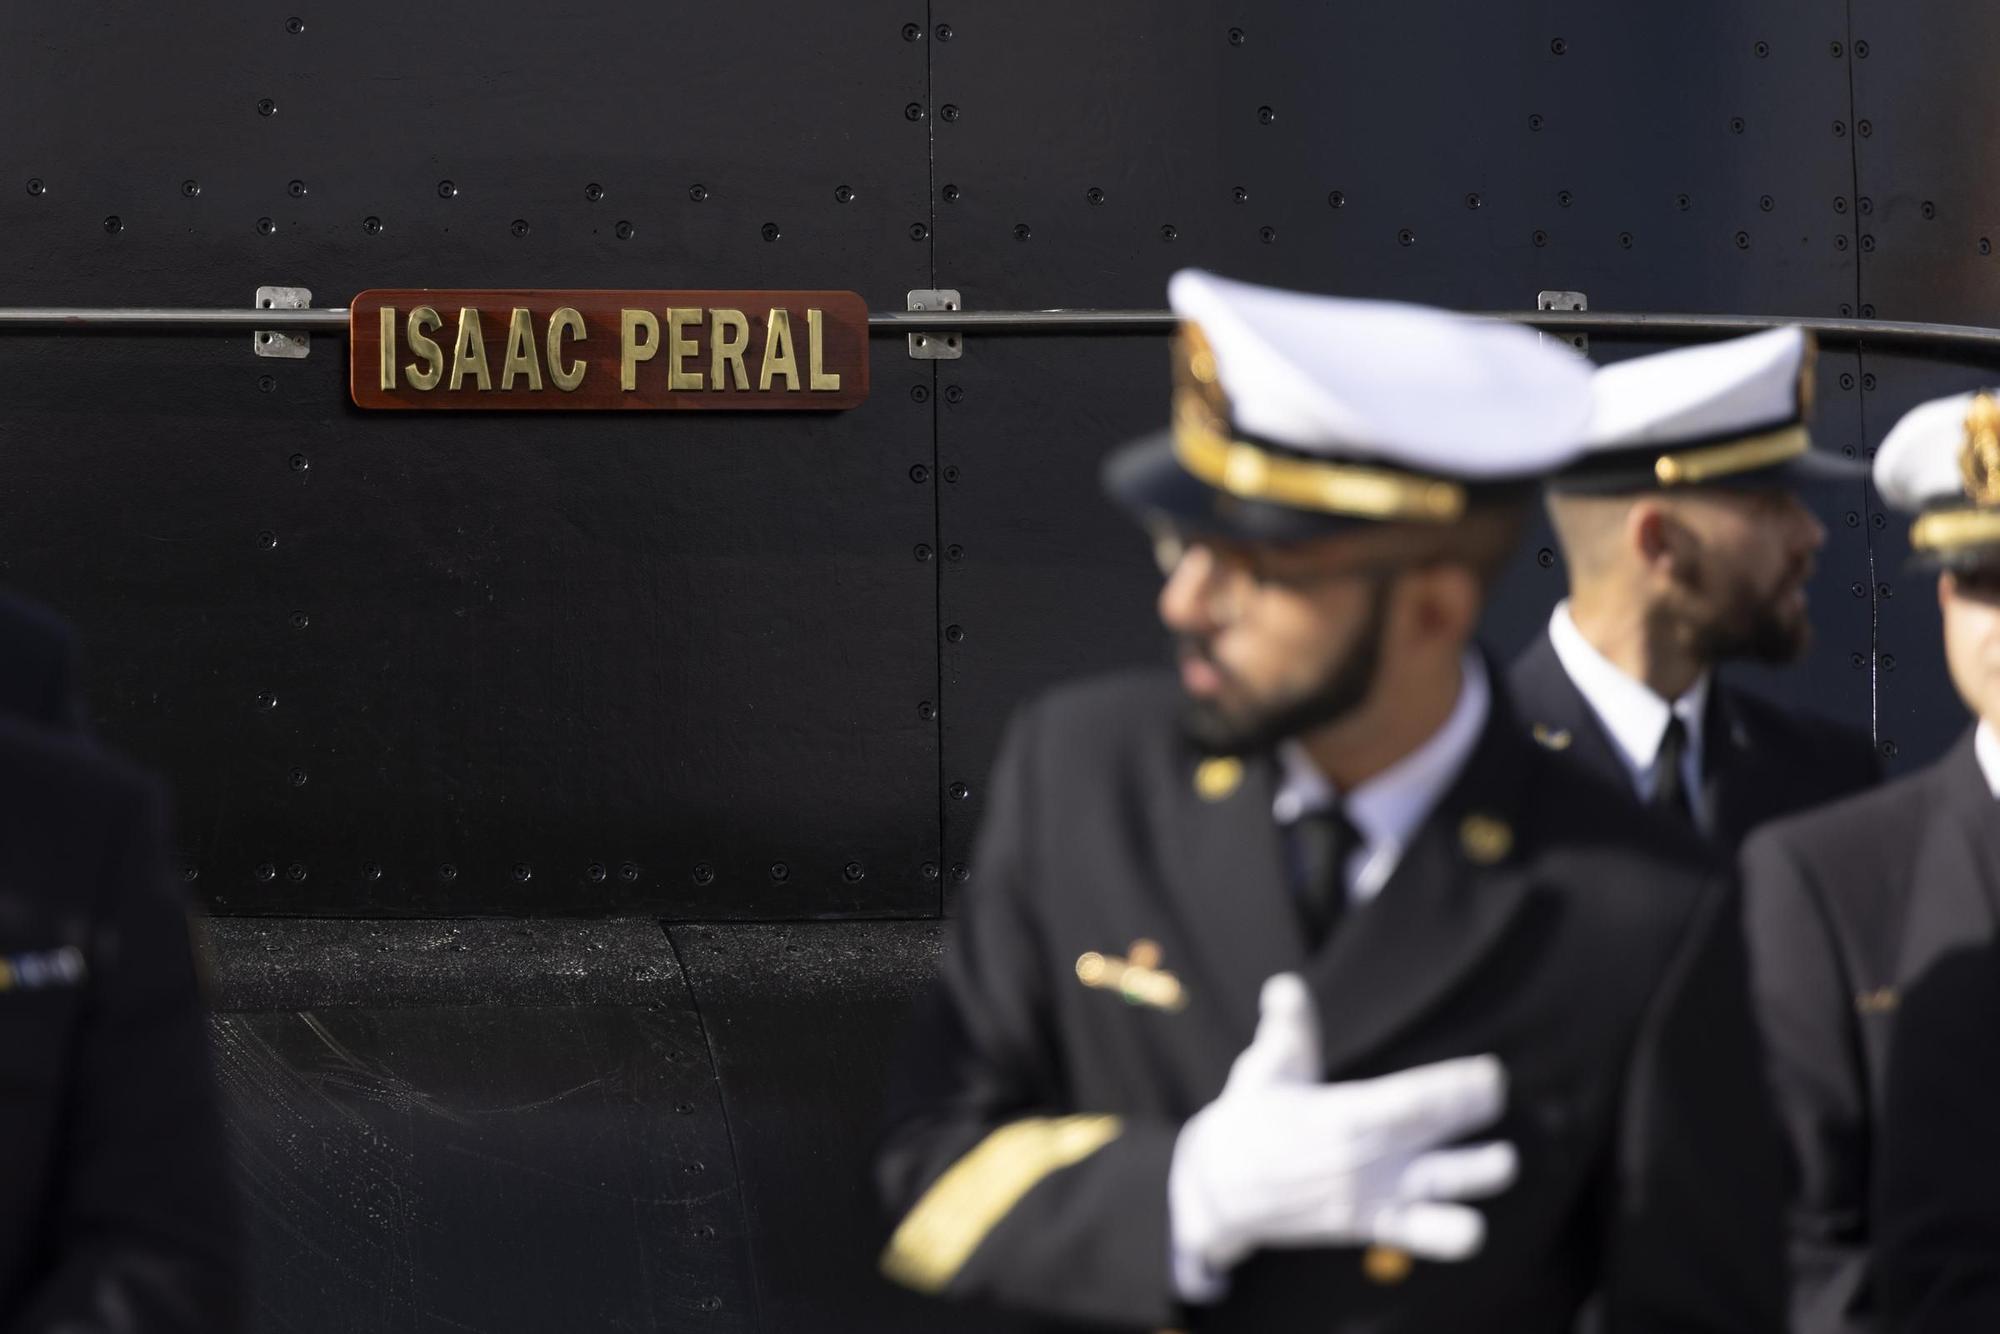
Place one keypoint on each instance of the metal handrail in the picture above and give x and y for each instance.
(897, 322)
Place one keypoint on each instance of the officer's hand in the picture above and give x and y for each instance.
(1280, 1159)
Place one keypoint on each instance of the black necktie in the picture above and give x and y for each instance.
(1670, 792)
(1325, 839)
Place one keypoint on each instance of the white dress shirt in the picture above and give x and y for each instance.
(1634, 717)
(1986, 749)
(1387, 809)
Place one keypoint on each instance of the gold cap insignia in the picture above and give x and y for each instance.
(1386, 1264)
(1485, 838)
(1137, 978)
(1552, 738)
(1979, 460)
(1218, 778)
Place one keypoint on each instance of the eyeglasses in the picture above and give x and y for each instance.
(1238, 571)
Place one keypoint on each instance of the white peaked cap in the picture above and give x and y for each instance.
(1917, 465)
(1712, 391)
(1402, 386)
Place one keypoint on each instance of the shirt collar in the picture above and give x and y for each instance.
(1986, 749)
(1635, 717)
(1387, 809)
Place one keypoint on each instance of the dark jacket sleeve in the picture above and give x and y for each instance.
(1805, 1012)
(1938, 1177)
(143, 1228)
(1003, 1190)
(1695, 1234)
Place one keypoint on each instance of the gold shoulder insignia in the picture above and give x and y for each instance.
(1486, 839)
(1217, 778)
(1551, 738)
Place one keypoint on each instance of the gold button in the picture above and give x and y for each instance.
(1090, 968)
(1218, 778)
(1485, 838)
(1385, 1264)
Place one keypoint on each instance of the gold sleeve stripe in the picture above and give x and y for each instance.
(947, 1225)
(1691, 467)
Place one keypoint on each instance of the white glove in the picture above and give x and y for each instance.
(1282, 1160)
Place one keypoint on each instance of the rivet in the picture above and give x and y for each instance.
(1840, 241)
(771, 232)
(267, 383)
(295, 26)
(519, 227)
(1889, 749)
(1840, 129)
(1883, 590)
(704, 874)
(950, 194)
(298, 777)
(190, 873)
(951, 472)
(913, 111)
(1169, 232)
(954, 393)
(371, 871)
(593, 192)
(1761, 50)
(960, 874)
(920, 393)
(1985, 245)
(296, 872)
(1683, 202)
(1859, 589)
(1266, 116)
(1766, 203)
(697, 193)
(929, 870)
(267, 539)
(1868, 310)
(1546, 558)
(944, 32)
(1929, 210)
(1237, 37)
(447, 872)
(913, 32)
(1736, 124)
(853, 873)
(1267, 234)
(1022, 231)
(1846, 377)
(922, 552)
(959, 791)
(1837, 50)
(523, 872)
(299, 463)
(926, 710)
(949, 111)
(629, 871)
(267, 700)
(918, 231)
(372, 225)
(1540, 238)
(1861, 50)
(843, 194)
(296, 189)
(954, 552)
(113, 225)
(1879, 520)
(1406, 237)
(1853, 520)
(1093, 195)
(1864, 128)
(918, 472)
(1474, 201)
(37, 186)
(267, 108)
(266, 227)
(1559, 47)
(1240, 195)
(954, 633)
(300, 620)
(1742, 240)
(1868, 381)
(595, 873)
(1856, 659)
(447, 190)
(1867, 242)
(266, 871)
(1888, 662)
(1535, 122)
(1625, 240)
(624, 231)
(1336, 199)
(780, 872)
(190, 188)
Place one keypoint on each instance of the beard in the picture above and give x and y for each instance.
(1745, 624)
(1339, 692)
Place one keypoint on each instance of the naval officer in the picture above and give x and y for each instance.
(1872, 924)
(1687, 547)
(1306, 992)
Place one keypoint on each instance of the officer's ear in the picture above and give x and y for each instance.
(1443, 601)
(1657, 537)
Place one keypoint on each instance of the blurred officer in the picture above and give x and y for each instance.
(1247, 959)
(1872, 925)
(115, 1209)
(1687, 547)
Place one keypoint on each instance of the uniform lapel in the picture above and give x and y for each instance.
(1457, 889)
(1559, 718)
(1228, 874)
(1742, 783)
(1954, 888)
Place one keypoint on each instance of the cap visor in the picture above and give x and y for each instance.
(1148, 481)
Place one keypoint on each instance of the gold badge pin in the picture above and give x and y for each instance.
(1386, 1265)
(1218, 778)
(1137, 978)
(1551, 738)
(1485, 838)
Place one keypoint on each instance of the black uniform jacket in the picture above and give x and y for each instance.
(38, 666)
(1864, 919)
(1763, 762)
(114, 1200)
(1130, 899)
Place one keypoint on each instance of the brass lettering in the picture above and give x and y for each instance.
(680, 347)
(728, 336)
(631, 350)
(779, 358)
(520, 351)
(414, 332)
(566, 378)
(815, 348)
(468, 354)
(387, 355)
